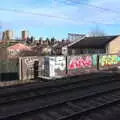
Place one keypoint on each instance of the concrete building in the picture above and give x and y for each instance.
(95, 45)
(3, 35)
(8, 35)
(25, 34)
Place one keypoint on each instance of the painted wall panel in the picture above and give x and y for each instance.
(108, 61)
(57, 66)
(26, 67)
(81, 64)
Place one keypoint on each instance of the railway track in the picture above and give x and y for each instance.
(8, 98)
(65, 81)
(62, 102)
(79, 108)
(41, 82)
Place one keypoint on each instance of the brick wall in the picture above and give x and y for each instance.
(114, 46)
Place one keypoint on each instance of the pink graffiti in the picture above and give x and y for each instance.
(81, 62)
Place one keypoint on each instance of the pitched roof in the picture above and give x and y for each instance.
(19, 46)
(92, 42)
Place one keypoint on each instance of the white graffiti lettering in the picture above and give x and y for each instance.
(57, 63)
(60, 63)
(29, 61)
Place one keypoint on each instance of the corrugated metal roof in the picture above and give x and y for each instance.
(92, 42)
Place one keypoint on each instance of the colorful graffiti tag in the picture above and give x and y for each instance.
(94, 59)
(61, 66)
(107, 60)
(80, 62)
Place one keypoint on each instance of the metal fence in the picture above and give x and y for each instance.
(9, 69)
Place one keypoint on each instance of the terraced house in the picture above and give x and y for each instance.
(95, 45)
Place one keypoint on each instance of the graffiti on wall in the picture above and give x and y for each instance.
(29, 61)
(27, 66)
(80, 62)
(60, 63)
(94, 59)
(57, 65)
(106, 60)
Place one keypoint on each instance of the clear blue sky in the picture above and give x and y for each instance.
(59, 17)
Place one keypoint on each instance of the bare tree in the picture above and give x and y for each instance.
(40, 41)
(96, 32)
(53, 41)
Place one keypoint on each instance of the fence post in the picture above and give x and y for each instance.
(36, 66)
(66, 65)
(98, 65)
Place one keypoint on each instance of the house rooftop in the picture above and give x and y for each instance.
(92, 42)
(19, 46)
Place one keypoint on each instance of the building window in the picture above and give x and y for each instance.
(73, 51)
(101, 51)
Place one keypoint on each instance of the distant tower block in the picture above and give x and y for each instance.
(3, 36)
(25, 34)
(8, 35)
